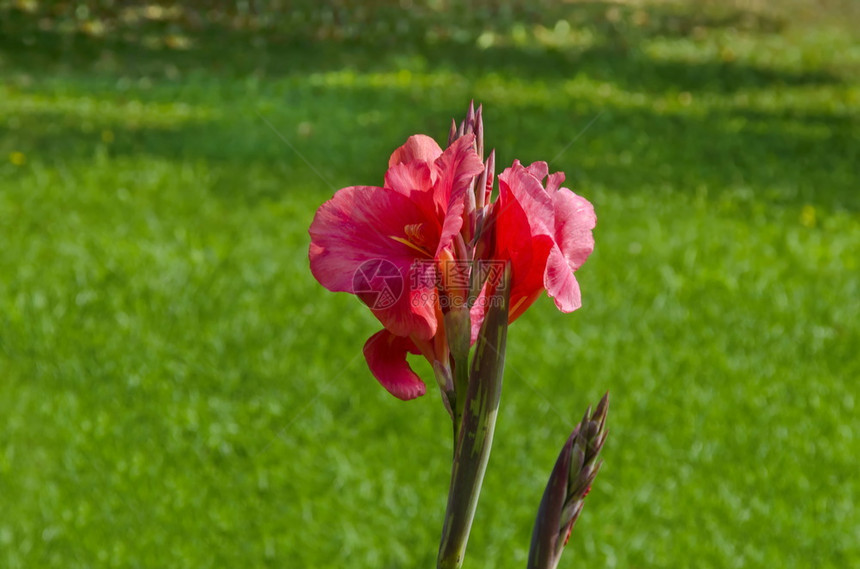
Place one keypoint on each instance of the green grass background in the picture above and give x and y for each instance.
(177, 391)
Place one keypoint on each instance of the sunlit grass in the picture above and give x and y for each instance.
(178, 390)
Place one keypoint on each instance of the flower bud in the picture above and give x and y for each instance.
(568, 485)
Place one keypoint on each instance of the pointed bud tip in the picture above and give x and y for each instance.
(602, 408)
(452, 132)
(585, 420)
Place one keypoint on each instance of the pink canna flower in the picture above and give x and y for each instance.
(424, 228)
(370, 235)
(545, 231)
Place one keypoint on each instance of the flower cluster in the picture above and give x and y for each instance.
(439, 212)
(446, 255)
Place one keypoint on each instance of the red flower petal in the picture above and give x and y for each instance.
(386, 357)
(351, 234)
(523, 219)
(415, 180)
(417, 147)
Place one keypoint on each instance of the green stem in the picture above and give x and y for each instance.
(461, 387)
(467, 477)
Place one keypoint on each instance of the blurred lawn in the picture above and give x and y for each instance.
(177, 390)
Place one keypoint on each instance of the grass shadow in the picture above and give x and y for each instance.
(550, 40)
(251, 65)
(788, 157)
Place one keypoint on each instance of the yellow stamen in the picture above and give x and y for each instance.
(412, 245)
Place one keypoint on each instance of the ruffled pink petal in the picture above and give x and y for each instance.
(574, 242)
(574, 220)
(353, 250)
(456, 168)
(554, 182)
(560, 282)
(417, 147)
(519, 184)
(386, 357)
(538, 169)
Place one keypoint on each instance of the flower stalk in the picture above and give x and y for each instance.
(475, 436)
